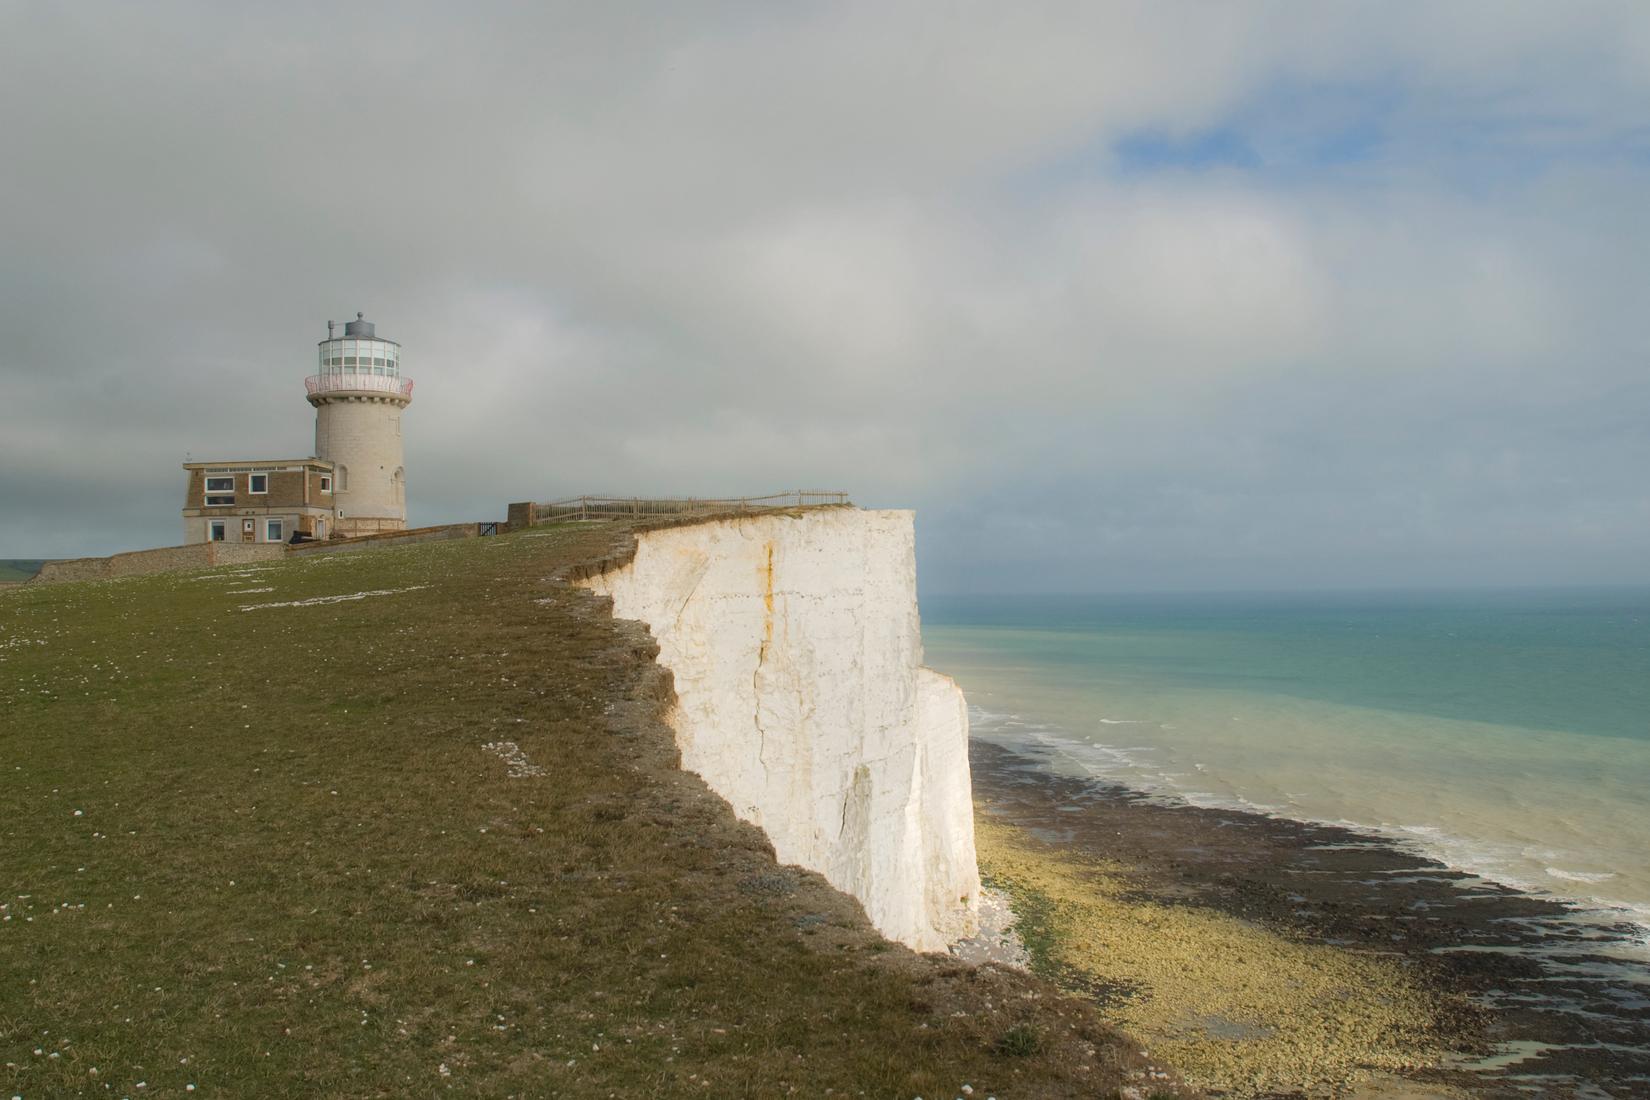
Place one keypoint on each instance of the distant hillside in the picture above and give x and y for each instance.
(19, 569)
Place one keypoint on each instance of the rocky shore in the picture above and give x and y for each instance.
(1276, 958)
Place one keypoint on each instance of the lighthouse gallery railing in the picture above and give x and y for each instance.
(357, 383)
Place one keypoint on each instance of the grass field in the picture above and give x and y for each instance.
(250, 849)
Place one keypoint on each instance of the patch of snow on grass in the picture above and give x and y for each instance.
(515, 760)
(315, 600)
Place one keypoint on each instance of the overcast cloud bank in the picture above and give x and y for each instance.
(1158, 296)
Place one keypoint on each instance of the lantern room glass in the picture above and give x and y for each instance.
(381, 358)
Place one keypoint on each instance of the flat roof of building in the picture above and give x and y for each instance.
(260, 463)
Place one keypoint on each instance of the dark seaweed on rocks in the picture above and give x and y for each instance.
(1561, 1004)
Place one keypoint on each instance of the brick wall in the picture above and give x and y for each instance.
(291, 493)
(521, 515)
(286, 490)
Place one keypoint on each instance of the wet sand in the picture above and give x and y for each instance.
(1268, 957)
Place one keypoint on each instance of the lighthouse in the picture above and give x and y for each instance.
(355, 483)
(359, 397)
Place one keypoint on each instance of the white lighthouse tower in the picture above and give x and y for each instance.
(359, 397)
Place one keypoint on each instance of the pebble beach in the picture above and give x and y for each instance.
(1264, 957)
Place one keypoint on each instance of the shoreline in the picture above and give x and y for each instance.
(1628, 920)
(1507, 991)
(1482, 860)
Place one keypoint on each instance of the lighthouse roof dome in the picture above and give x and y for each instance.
(358, 329)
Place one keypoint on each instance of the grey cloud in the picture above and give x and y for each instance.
(726, 249)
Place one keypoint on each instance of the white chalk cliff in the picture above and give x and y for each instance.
(795, 646)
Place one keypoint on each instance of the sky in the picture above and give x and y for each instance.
(1118, 296)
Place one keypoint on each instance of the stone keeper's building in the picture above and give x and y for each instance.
(354, 484)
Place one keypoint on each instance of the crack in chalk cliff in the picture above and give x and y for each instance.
(704, 567)
(756, 715)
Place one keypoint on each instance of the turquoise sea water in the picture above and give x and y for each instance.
(1507, 733)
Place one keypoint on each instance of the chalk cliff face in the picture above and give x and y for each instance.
(801, 699)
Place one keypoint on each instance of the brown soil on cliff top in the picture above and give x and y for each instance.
(429, 839)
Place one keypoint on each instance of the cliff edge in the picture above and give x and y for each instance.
(795, 644)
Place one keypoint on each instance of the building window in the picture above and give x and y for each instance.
(257, 483)
(215, 530)
(274, 530)
(342, 474)
(220, 492)
(326, 484)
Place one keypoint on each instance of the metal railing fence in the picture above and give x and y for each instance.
(604, 507)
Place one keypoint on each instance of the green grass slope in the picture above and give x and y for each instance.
(268, 852)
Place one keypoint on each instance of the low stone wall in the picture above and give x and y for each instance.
(72, 569)
(166, 559)
(201, 555)
(389, 538)
(371, 525)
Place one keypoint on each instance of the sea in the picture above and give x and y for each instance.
(1506, 733)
